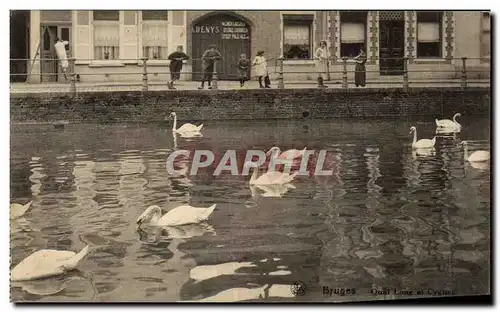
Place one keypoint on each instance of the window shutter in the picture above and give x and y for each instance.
(352, 33)
(428, 32)
(83, 36)
(296, 34)
(129, 35)
(177, 33)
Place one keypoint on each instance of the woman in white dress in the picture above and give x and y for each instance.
(321, 62)
(260, 65)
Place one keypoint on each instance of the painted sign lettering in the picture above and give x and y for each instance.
(206, 29)
(234, 24)
(235, 30)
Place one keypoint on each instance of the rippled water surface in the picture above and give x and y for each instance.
(385, 219)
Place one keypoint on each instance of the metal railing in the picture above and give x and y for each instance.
(279, 64)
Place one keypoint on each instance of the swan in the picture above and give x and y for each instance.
(450, 124)
(185, 128)
(18, 210)
(47, 262)
(477, 156)
(273, 177)
(422, 143)
(290, 154)
(180, 215)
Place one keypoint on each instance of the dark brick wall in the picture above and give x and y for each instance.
(153, 106)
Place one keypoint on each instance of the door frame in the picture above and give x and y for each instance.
(391, 70)
(208, 16)
(59, 26)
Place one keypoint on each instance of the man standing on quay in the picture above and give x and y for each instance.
(176, 58)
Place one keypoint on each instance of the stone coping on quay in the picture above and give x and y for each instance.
(284, 92)
(27, 88)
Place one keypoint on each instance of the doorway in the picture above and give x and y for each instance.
(19, 45)
(50, 69)
(230, 35)
(392, 45)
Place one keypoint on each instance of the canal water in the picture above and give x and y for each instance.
(387, 224)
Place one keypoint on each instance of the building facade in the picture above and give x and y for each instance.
(108, 45)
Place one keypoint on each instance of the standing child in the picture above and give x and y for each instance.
(176, 58)
(260, 64)
(243, 64)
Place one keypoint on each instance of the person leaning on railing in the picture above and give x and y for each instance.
(62, 55)
(208, 62)
(176, 58)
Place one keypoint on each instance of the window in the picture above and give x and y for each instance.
(485, 35)
(429, 37)
(297, 36)
(154, 34)
(106, 34)
(352, 33)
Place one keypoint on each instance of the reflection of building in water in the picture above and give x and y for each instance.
(372, 164)
(56, 202)
(37, 174)
(411, 172)
(105, 185)
(158, 185)
(132, 185)
(391, 167)
(85, 177)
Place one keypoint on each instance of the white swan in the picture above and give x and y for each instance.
(186, 128)
(178, 216)
(422, 143)
(290, 154)
(18, 210)
(449, 124)
(45, 263)
(477, 156)
(273, 177)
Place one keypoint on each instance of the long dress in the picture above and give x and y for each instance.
(60, 47)
(321, 62)
(260, 66)
(360, 70)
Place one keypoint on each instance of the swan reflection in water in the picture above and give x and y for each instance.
(21, 225)
(272, 190)
(56, 284)
(232, 269)
(446, 132)
(171, 232)
(480, 165)
(243, 293)
(423, 153)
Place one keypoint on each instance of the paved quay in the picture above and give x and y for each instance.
(19, 88)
